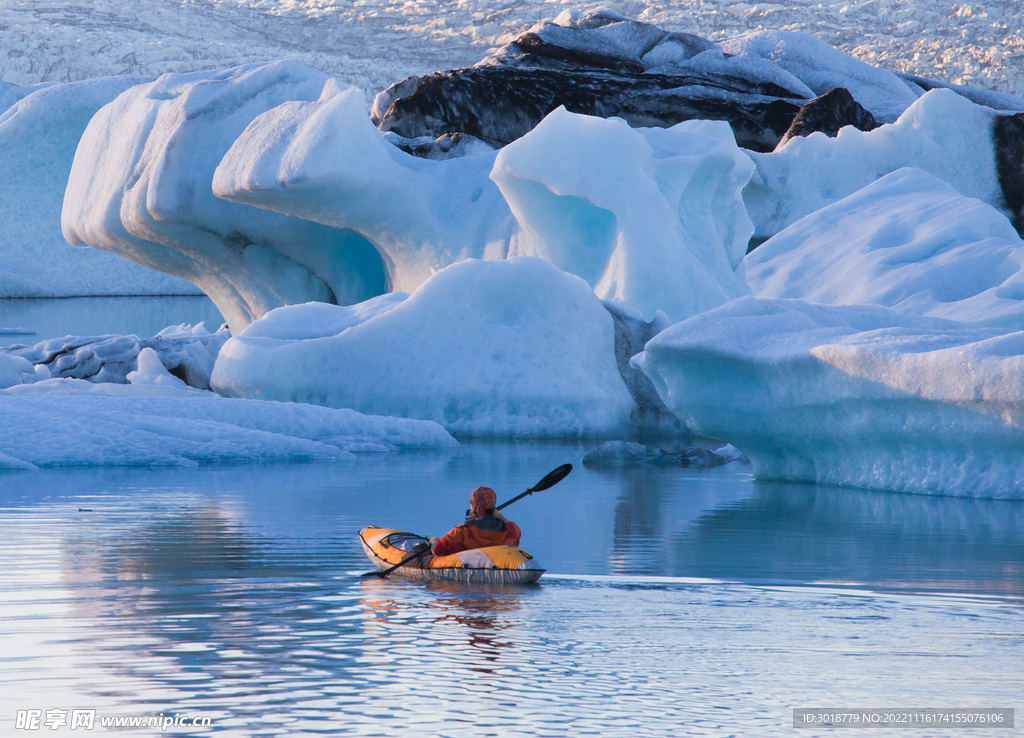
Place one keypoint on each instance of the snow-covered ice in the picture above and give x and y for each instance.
(154, 422)
(652, 217)
(822, 68)
(908, 241)
(38, 137)
(140, 186)
(511, 348)
(942, 133)
(854, 395)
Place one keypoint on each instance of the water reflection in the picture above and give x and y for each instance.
(233, 592)
(808, 533)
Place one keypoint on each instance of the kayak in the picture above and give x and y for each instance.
(492, 565)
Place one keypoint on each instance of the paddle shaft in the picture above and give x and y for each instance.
(547, 482)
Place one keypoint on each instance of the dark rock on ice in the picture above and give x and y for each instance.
(500, 104)
(828, 113)
(1008, 142)
(603, 65)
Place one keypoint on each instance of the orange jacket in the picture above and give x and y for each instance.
(491, 531)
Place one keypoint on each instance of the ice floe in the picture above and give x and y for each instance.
(511, 348)
(187, 351)
(853, 395)
(69, 422)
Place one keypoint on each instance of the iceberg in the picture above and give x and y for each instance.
(324, 161)
(140, 186)
(509, 348)
(908, 241)
(652, 217)
(39, 132)
(823, 68)
(942, 133)
(70, 422)
(662, 227)
(851, 395)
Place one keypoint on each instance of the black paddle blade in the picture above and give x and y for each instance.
(553, 478)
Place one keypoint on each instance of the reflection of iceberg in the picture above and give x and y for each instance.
(853, 395)
(805, 533)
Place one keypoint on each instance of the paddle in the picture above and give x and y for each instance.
(547, 482)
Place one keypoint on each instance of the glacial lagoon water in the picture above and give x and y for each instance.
(94, 316)
(677, 602)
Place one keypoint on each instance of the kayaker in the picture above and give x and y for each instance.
(484, 527)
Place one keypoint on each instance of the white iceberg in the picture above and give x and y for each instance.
(511, 348)
(326, 162)
(38, 136)
(908, 241)
(859, 396)
(823, 68)
(942, 133)
(69, 422)
(653, 217)
(141, 186)
(663, 225)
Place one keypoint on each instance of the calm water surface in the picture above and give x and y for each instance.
(677, 602)
(95, 316)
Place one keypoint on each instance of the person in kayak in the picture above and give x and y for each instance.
(484, 527)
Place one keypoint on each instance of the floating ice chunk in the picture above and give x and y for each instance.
(653, 217)
(943, 133)
(625, 453)
(141, 186)
(324, 161)
(908, 241)
(66, 422)
(859, 396)
(38, 137)
(823, 68)
(512, 348)
(11, 369)
(152, 371)
(188, 353)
